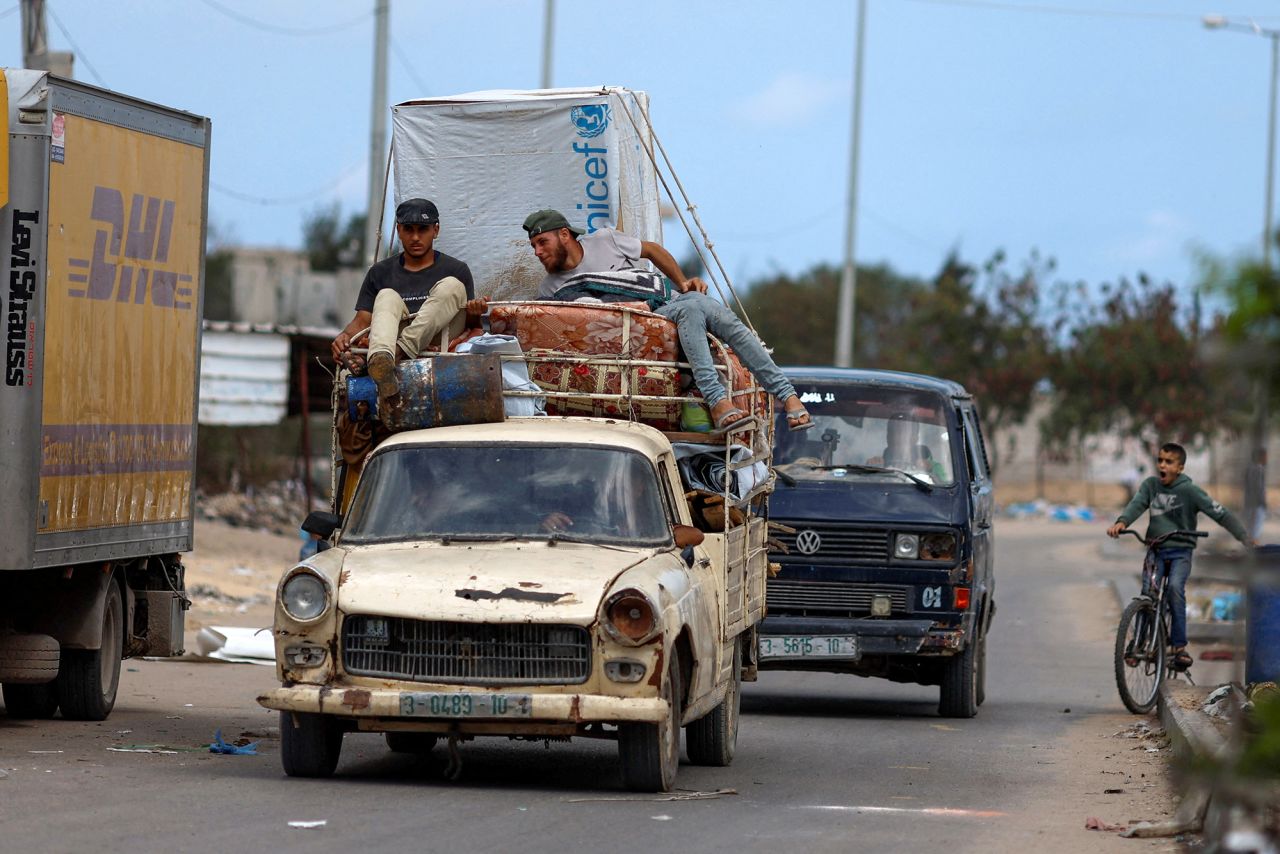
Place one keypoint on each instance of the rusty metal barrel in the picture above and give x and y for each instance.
(437, 391)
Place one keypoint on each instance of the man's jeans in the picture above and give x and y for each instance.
(1177, 564)
(695, 315)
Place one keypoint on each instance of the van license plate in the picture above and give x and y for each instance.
(808, 646)
(431, 704)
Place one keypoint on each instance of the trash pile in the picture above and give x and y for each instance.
(278, 507)
(1041, 509)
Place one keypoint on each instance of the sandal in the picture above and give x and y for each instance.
(731, 418)
(798, 419)
(1182, 660)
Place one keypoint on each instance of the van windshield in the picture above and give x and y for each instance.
(468, 492)
(862, 429)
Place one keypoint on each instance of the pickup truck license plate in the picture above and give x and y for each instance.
(808, 646)
(431, 704)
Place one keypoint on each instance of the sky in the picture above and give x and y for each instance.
(1114, 136)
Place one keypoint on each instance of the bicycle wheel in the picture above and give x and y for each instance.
(1139, 657)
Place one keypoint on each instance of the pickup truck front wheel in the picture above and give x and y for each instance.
(713, 738)
(650, 753)
(310, 744)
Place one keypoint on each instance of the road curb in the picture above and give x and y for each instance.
(1191, 732)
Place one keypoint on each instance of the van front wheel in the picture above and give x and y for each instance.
(960, 679)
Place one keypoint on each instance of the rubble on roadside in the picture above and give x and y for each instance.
(278, 507)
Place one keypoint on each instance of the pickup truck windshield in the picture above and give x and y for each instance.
(468, 492)
(899, 430)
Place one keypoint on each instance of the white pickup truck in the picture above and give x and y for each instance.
(535, 578)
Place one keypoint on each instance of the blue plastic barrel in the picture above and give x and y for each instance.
(436, 391)
(1262, 633)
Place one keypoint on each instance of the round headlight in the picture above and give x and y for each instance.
(304, 596)
(906, 546)
(630, 616)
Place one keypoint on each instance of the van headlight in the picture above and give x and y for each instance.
(304, 596)
(906, 546)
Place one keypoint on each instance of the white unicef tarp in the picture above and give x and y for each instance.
(488, 159)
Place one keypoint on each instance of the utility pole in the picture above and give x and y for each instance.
(35, 42)
(548, 33)
(378, 125)
(845, 319)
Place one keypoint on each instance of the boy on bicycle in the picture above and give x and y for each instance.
(1174, 502)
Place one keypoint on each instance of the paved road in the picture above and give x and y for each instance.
(825, 763)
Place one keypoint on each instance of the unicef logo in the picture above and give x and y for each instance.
(590, 119)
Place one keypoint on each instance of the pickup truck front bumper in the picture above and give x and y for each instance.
(356, 702)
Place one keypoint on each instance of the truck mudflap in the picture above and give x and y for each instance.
(391, 703)
(875, 637)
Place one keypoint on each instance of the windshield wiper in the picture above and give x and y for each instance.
(922, 485)
(445, 539)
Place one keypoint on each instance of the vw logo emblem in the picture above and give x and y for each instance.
(808, 541)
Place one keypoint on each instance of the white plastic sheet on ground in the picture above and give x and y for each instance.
(489, 159)
(236, 644)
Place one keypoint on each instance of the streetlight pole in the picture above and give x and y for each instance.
(1262, 384)
(845, 318)
(548, 35)
(1218, 22)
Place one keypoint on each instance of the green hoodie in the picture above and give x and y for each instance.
(1174, 508)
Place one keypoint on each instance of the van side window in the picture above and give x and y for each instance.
(975, 446)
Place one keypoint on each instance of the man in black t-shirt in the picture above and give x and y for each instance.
(430, 289)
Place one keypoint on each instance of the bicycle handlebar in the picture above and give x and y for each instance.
(1160, 539)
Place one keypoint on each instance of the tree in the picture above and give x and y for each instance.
(330, 245)
(1132, 364)
(983, 328)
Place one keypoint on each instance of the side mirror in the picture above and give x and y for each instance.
(322, 523)
(687, 535)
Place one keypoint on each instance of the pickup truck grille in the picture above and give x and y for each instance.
(830, 598)
(465, 653)
(836, 543)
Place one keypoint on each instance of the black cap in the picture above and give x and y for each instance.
(547, 220)
(417, 212)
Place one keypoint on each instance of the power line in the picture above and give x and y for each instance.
(1067, 10)
(408, 66)
(74, 47)
(284, 31)
(7, 12)
(286, 200)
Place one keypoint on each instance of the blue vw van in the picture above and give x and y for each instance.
(883, 532)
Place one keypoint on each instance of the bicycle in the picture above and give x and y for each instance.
(1142, 638)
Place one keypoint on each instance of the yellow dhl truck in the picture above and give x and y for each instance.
(103, 202)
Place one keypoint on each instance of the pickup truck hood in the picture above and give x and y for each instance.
(508, 582)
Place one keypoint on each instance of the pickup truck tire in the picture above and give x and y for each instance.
(411, 742)
(713, 738)
(961, 675)
(31, 702)
(28, 659)
(310, 744)
(650, 753)
(88, 678)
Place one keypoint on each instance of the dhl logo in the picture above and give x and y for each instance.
(145, 243)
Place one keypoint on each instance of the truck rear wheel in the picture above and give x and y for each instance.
(713, 738)
(650, 753)
(88, 678)
(960, 678)
(31, 702)
(28, 659)
(310, 744)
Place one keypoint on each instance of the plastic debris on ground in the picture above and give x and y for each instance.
(236, 644)
(1040, 509)
(1092, 823)
(308, 825)
(240, 747)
